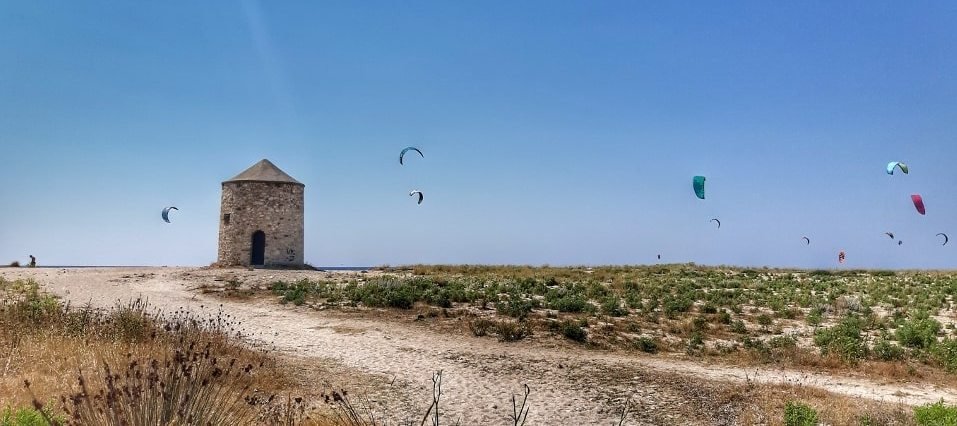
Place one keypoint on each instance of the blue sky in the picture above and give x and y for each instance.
(553, 132)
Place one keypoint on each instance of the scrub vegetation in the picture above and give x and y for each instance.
(879, 322)
(134, 365)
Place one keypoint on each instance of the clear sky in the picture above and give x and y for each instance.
(554, 132)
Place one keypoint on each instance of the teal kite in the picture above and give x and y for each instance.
(896, 164)
(698, 184)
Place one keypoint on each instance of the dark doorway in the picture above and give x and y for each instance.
(259, 248)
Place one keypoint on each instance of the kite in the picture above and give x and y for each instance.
(896, 164)
(698, 184)
(402, 154)
(807, 241)
(946, 239)
(719, 222)
(420, 195)
(166, 213)
(841, 257)
(918, 203)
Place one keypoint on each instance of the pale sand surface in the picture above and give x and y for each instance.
(569, 385)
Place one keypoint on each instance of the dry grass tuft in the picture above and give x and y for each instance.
(135, 365)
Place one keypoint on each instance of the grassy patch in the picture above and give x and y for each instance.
(938, 414)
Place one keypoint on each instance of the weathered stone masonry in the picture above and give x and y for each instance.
(262, 198)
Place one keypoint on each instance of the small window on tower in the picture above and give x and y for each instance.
(226, 219)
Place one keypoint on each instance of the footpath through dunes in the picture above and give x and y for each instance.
(569, 385)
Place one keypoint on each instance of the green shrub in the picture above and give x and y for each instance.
(574, 332)
(738, 327)
(611, 306)
(945, 353)
(919, 332)
(572, 303)
(677, 305)
(765, 321)
(515, 306)
(936, 414)
(843, 339)
(646, 344)
(26, 417)
(799, 414)
(782, 342)
(887, 351)
(695, 342)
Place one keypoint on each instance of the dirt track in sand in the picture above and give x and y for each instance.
(570, 385)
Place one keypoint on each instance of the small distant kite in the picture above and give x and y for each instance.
(698, 184)
(659, 257)
(420, 195)
(718, 221)
(898, 165)
(807, 241)
(407, 149)
(900, 242)
(841, 257)
(166, 213)
(918, 203)
(890, 234)
(946, 239)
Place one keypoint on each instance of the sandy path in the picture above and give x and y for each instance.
(569, 385)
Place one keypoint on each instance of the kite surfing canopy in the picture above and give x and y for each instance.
(420, 195)
(698, 184)
(946, 239)
(407, 149)
(918, 203)
(896, 165)
(166, 213)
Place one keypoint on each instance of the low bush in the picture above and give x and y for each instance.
(937, 414)
(515, 306)
(571, 303)
(945, 354)
(27, 417)
(611, 306)
(480, 327)
(886, 351)
(799, 414)
(843, 340)
(646, 344)
(510, 331)
(574, 331)
(919, 332)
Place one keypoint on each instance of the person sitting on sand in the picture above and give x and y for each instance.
(33, 261)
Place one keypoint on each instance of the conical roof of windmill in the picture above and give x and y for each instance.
(264, 171)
